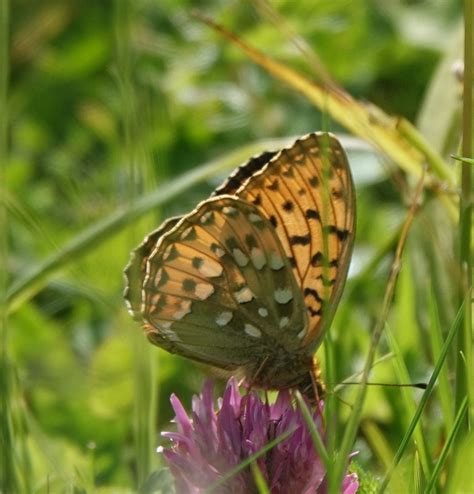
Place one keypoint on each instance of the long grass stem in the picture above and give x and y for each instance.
(7, 466)
(464, 367)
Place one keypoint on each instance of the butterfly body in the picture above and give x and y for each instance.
(249, 280)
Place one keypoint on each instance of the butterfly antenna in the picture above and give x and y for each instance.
(342, 400)
(390, 385)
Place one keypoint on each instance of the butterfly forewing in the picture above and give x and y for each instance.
(307, 193)
(243, 172)
(219, 288)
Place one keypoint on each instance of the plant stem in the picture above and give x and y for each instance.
(464, 380)
(8, 482)
(436, 163)
(144, 432)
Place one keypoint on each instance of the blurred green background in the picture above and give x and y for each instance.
(110, 99)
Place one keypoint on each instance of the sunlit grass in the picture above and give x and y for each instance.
(9, 469)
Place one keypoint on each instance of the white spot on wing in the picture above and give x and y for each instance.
(158, 276)
(185, 308)
(240, 258)
(210, 268)
(218, 251)
(284, 322)
(207, 217)
(204, 290)
(283, 295)
(299, 158)
(252, 331)
(189, 232)
(258, 258)
(243, 295)
(224, 318)
(168, 251)
(263, 312)
(255, 218)
(301, 334)
(276, 262)
(230, 211)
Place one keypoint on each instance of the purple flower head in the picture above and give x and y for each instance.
(211, 443)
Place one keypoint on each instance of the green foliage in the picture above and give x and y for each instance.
(116, 118)
(368, 481)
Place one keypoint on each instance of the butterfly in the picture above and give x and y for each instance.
(249, 281)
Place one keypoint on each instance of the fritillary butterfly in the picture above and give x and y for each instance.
(249, 281)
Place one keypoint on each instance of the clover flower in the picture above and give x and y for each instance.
(211, 443)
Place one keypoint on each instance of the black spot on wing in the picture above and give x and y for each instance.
(326, 281)
(314, 312)
(275, 185)
(300, 239)
(257, 201)
(250, 241)
(341, 234)
(189, 285)
(312, 214)
(317, 260)
(197, 262)
(164, 278)
(313, 293)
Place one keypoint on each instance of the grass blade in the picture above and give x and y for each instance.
(439, 364)
(465, 380)
(368, 122)
(377, 441)
(444, 390)
(447, 445)
(26, 287)
(8, 468)
(410, 407)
